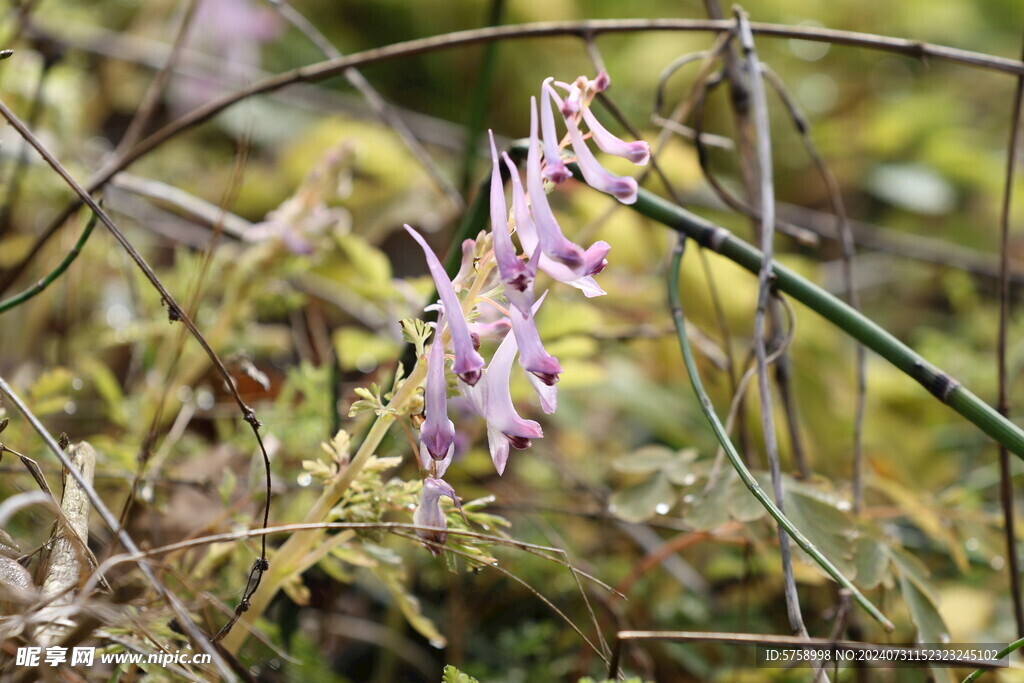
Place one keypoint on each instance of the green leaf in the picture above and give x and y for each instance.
(453, 675)
(710, 508)
(830, 529)
(360, 349)
(642, 501)
(410, 606)
(107, 386)
(743, 506)
(871, 562)
(645, 460)
(924, 612)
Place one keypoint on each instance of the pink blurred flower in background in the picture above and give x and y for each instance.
(231, 32)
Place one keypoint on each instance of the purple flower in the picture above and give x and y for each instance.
(517, 276)
(532, 355)
(552, 241)
(555, 169)
(437, 435)
(548, 393)
(594, 257)
(622, 188)
(492, 400)
(429, 514)
(601, 82)
(639, 152)
(573, 100)
(468, 362)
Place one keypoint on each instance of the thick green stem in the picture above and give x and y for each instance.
(941, 385)
(734, 457)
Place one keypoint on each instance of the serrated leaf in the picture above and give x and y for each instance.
(642, 501)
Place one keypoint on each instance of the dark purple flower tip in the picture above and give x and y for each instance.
(468, 361)
(437, 450)
(520, 282)
(520, 443)
(470, 377)
(623, 188)
(601, 82)
(557, 173)
(594, 257)
(549, 378)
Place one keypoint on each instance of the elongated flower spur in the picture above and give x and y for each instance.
(544, 248)
(437, 434)
(468, 362)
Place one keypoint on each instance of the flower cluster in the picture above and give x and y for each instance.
(485, 387)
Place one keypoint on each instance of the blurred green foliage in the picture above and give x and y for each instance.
(918, 147)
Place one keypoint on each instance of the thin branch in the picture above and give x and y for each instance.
(678, 317)
(331, 68)
(766, 194)
(800, 234)
(151, 99)
(847, 253)
(1005, 472)
(380, 106)
(1005, 652)
(532, 548)
(655, 166)
(582, 29)
(39, 286)
(175, 311)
